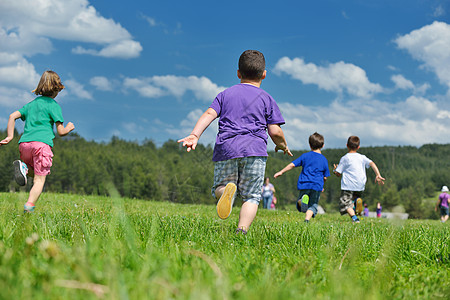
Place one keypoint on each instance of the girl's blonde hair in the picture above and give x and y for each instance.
(49, 84)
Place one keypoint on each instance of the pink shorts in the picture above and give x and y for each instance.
(37, 156)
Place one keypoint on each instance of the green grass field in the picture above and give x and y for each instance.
(82, 247)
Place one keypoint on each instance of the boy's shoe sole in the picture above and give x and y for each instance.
(19, 173)
(304, 201)
(225, 203)
(28, 209)
(359, 206)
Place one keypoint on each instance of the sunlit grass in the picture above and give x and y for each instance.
(98, 247)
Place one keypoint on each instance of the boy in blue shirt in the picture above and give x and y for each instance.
(314, 174)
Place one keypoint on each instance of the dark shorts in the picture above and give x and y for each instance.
(313, 200)
(347, 200)
(444, 211)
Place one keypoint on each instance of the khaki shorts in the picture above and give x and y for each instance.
(347, 200)
(247, 173)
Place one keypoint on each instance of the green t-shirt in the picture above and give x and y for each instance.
(39, 116)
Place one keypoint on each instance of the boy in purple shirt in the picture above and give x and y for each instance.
(443, 203)
(312, 178)
(245, 112)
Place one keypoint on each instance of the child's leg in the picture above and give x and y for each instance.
(247, 215)
(36, 190)
(250, 183)
(309, 214)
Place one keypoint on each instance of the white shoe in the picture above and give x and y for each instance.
(20, 172)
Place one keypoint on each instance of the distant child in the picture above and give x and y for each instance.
(312, 178)
(36, 143)
(379, 208)
(352, 169)
(443, 203)
(366, 210)
(245, 112)
(268, 192)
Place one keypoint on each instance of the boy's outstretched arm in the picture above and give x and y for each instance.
(334, 170)
(62, 131)
(285, 169)
(277, 136)
(191, 140)
(10, 129)
(378, 178)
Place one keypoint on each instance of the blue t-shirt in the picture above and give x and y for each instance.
(314, 169)
(244, 112)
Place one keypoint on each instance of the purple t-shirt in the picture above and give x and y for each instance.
(244, 112)
(443, 197)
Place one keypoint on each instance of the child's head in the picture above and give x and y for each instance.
(316, 141)
(353, 143)
(49, 85)
(252, 65)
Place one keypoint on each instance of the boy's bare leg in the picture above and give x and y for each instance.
(309, 214)
(248, 211)
(247, 215)
(36, 190)
(350, 212)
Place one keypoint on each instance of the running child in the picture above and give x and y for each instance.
(245, 112)
(36, 143)
(352, 169)
(312, 178)
(443, 203)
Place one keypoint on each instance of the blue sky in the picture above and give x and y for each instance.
(147, 70)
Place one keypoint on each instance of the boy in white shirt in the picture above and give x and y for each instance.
(352, 169)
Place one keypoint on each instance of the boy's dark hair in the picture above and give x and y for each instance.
(252, 64)
(353, 142)
(316, 141)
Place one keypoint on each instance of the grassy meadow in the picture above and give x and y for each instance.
(86, 247)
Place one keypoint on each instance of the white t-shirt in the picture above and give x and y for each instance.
(352, 167)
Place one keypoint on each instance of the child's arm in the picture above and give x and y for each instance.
(10, 129)
(191, 140)
(287, 168)
(277, 136)
(62, 131)
(378, 178)
(334, 170)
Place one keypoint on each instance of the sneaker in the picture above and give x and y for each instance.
(355, 219)
(303, 203)
(20, 172)
(226, 201)
(28, 209)
(359, 206)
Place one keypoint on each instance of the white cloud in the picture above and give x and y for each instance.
(401, 82)
(14, 98)
(415, 121)
(335, 77)
(405, 84)
(430, 45)
(439, 11)
(27, 32)
(77, 89)
(17, 71)
(158, 86)
(101, 83)
(186, 125)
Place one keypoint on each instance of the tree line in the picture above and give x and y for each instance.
(168, 173)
